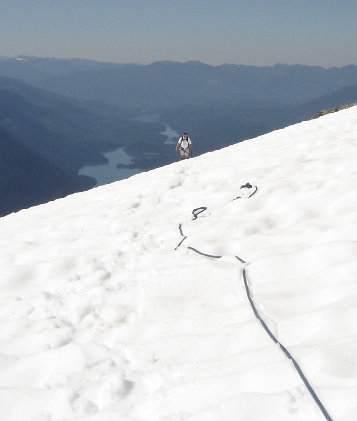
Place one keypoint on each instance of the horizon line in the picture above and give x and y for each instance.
(19, 57)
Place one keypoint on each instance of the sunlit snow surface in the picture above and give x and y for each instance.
(101, 319)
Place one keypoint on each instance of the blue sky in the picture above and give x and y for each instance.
(257, 32)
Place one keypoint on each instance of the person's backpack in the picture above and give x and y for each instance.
(184, 143)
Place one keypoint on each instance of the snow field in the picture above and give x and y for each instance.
(100, 318)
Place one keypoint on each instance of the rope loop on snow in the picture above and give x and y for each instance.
(298, 369)
(197, 211)
(247, 186)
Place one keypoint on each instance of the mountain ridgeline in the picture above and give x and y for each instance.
(165, 84)
(63, 114)
(218, 105)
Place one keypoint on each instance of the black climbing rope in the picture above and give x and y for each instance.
(247, 186)
(197, 211)
(286, 352)
(313, 394)
(184, 237)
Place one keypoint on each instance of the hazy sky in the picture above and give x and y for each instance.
(258, 32)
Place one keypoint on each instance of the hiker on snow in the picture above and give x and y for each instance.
(184, 145)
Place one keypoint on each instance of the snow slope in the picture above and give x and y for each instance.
(101, 319)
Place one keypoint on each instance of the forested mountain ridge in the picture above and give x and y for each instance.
(27, 179)
(46, 138)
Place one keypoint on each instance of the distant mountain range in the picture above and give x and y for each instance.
(218, 105)
(167, 84)
(67, 112)
(35, 69)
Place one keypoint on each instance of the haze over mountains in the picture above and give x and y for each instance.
(75, 109)
(195, 82)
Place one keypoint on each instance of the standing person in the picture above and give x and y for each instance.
(184, 145)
